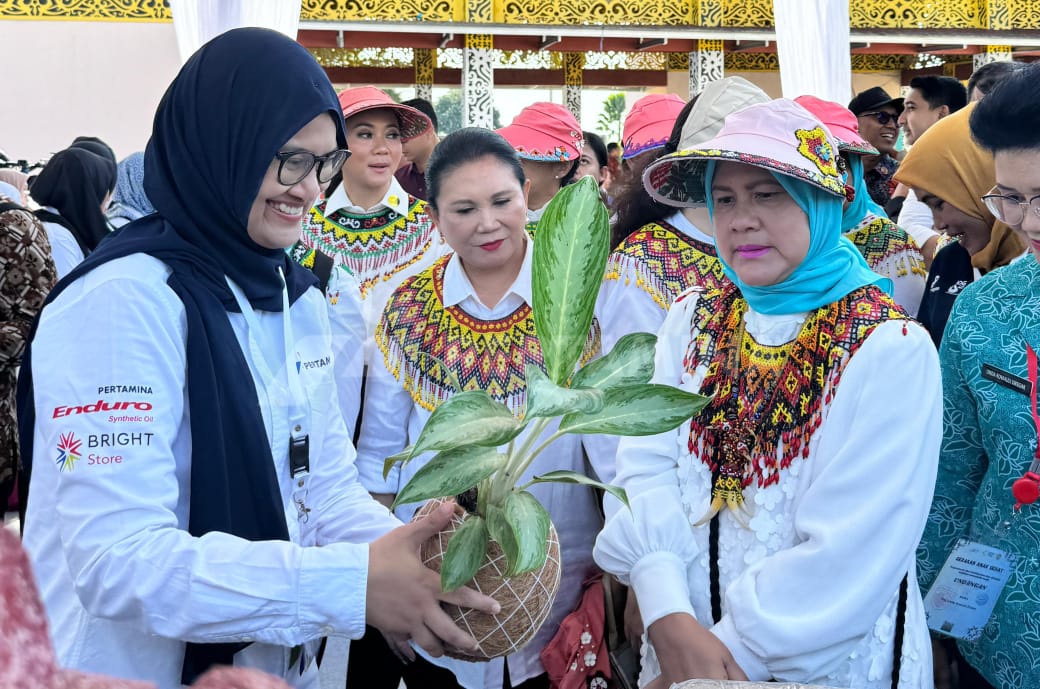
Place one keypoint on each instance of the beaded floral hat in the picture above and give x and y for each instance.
(840, 122)
(413, 122)
(545, 132)
(780, 136)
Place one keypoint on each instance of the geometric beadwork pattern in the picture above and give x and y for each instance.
(887, 248)
(780, 393)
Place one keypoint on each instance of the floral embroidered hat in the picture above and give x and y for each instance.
(649, 123)
(780, 136)
(413, 122)
(840, 122)
(545, 132)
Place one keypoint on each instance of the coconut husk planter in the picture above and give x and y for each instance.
(725, 684)
(526, 599)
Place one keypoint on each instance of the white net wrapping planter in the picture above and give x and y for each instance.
(525, 600)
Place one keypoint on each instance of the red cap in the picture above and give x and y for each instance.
(546, 132)
(649, 123)
(413, 122)
(842, 124)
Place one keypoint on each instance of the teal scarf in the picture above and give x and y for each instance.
(862, 205)
(831, 269)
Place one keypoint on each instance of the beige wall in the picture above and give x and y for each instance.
(65, 79)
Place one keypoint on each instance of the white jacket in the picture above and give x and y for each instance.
(123, 582)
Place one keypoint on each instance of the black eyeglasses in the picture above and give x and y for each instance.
(1010, 209)
(883, 118)
(293, 166)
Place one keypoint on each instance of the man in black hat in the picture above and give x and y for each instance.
(878, 115)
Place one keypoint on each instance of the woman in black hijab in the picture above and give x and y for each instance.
(186, 470)
(77, 185)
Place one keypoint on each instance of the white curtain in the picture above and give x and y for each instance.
(197, 21)
(812, 42)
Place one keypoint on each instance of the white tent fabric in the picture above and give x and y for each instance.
(812, 43)
(197, 21)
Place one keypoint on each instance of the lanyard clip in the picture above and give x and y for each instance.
(299, 455)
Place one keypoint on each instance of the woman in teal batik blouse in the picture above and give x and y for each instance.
(990, 434)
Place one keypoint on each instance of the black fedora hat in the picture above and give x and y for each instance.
(872, 99)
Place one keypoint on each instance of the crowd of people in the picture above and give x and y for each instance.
(198, 337)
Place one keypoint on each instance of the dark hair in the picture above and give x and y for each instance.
(672, 145)
(1006, 119)
(425, 107)
(633, 205)
(990, 74)
(598, 147)
(464, 146)
(569, 177)
(612, 146)
(938, 91)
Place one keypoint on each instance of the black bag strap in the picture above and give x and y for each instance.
(323, 265)
(897, 651)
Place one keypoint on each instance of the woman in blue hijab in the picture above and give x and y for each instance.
(179, 408)
(805, 478)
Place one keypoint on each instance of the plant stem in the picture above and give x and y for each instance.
(538, 450)
(507, 478)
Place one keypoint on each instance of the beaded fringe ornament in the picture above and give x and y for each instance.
(526, 599)
(376, 246)
(436, 351)
(766, 409)
(887, 248)
(664, 262)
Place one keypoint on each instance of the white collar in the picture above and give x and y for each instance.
(395, 198)
(457, 287)
(535, 214)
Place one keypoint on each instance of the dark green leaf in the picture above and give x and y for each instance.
(637, 410)
(403, 456)
(569, 258)
(451, 472)
(529, 523)
(630, 362)
(465, 553)
(503, 534)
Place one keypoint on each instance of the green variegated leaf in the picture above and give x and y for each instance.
(468, 418)
(570, 255)
(529, 523)
(451, 472)
(500, 530)
(630, 362)
(403, 456)
(546, 398)
(563, 476)
(465, 553)
(637, 410)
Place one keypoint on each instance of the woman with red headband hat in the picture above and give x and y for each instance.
(375, 232)
(547, 138)
(887, 248)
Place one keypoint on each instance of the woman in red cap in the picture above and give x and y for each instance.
(368, 234)
(547, 138)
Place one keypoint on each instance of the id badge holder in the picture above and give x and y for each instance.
(961, 600)
(299, 472)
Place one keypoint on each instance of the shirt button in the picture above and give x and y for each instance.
(298, 428)
(327, 629)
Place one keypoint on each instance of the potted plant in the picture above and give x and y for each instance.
(504, 543)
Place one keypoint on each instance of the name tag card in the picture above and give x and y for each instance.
(961, 600)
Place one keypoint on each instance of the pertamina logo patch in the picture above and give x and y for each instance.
(68, 452)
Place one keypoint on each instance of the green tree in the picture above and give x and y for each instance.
(449, 113)
(611, 117)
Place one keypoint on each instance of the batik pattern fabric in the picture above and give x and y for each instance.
(778, 395)
(27, 275)
(664, 262)
(376, 246)
(436, 350)
(989, 440)
(879, 180)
